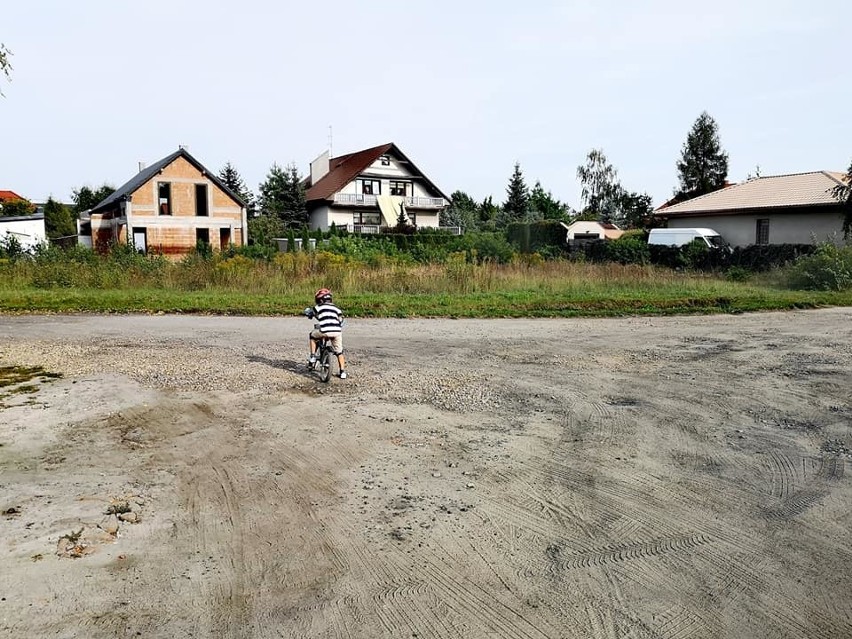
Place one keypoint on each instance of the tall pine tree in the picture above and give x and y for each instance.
(283, 196)
(234, 181)
(517, 202)
(703, 165)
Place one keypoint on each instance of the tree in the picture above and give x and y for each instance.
(843, 192)
(601, 192)
(234, 181)
(544, 207)
(703, 166)
(283, 196)
(16, 208)
(264, 229)
(461, 212)
(58, 220)
(488, 214)
(86, 198)
(5, 65)
(635, 210)
(517, 203)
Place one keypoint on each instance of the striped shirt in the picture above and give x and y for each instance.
(329, 318)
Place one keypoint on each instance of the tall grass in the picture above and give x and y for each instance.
(127, 282)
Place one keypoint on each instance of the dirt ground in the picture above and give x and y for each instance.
(640, 477)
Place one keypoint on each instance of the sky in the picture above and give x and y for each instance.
(465, 89)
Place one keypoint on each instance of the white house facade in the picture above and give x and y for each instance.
(27, 229)
(367, 190)
(800, 208)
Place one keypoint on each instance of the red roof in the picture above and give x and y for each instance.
(9, 195)
(345, 168)
(342, 170)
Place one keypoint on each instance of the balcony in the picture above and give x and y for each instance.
(353, 199)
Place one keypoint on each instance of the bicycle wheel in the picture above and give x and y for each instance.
(325, 365)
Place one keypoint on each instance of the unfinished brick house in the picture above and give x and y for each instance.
(168, 208)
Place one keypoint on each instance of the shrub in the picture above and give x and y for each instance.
(828, 269)
(628, 249)
(737, 274)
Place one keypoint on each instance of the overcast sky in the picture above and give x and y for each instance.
(464, 88)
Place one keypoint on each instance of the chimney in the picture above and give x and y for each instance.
(141, 167)
(319, 168)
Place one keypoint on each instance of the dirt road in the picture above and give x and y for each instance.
(662, 478)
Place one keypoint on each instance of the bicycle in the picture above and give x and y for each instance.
(325, 358)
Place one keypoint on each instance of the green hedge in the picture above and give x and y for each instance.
(634, 250)
(534, 236)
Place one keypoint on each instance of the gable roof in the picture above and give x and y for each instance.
(345, 168)
(773, 191)
(9, 195)
(127, 189)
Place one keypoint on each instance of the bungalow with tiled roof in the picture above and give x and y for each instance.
(168, 207)
(591, 230)
(366, 191)
(9, 195)
(27, 230)
(777, 209)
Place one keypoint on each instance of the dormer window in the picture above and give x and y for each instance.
(385, 160)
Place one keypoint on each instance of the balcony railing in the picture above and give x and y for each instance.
(358, 199)
(373, 229)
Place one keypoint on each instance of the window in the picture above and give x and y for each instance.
(385, 160)
(202, 235)
(164, 193)
(400, 188)
(370, 187)
(762, 233)
(366, 217)
(201, 200)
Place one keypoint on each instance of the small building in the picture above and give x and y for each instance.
(798, 208)
(368, 190)
(591, 230)
(27, 229)
(168, 208)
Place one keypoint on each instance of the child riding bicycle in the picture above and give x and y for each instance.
(329, 325)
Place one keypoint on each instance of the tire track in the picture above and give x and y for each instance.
(626, 552)
(501, 619)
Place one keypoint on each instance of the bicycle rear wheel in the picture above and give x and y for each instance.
(325, 365)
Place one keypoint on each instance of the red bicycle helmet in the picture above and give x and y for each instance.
(323, 295)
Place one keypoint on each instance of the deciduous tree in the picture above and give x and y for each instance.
(86, 198)
(703, 165)
(601, 191)
(543, 206)
(5, 65)
(16, 208)
(461, 212)
(635, 210)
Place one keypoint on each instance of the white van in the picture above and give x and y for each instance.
(682, 237)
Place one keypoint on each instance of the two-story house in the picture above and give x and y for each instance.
(168, 207)
(367, 190)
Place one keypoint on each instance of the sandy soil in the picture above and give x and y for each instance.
(665, 478)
